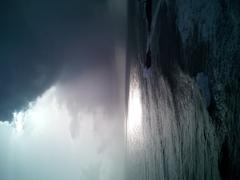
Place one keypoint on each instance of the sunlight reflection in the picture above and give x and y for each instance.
(134, 122)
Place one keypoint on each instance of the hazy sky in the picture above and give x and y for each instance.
(42, 38)
(62, 89)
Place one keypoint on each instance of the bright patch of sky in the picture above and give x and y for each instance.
(38, 144)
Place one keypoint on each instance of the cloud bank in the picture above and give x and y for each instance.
(40, 142)
(62, 74)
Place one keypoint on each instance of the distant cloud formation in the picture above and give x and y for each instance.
(46, 149)
(62, 89)
(44, 41)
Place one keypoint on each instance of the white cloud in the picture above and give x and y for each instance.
(38, 143)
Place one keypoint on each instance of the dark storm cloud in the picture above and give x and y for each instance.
(40, 39)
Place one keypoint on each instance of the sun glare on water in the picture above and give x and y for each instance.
(134, 121)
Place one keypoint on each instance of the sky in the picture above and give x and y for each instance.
(62, 89)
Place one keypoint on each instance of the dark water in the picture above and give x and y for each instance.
(169, 132)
